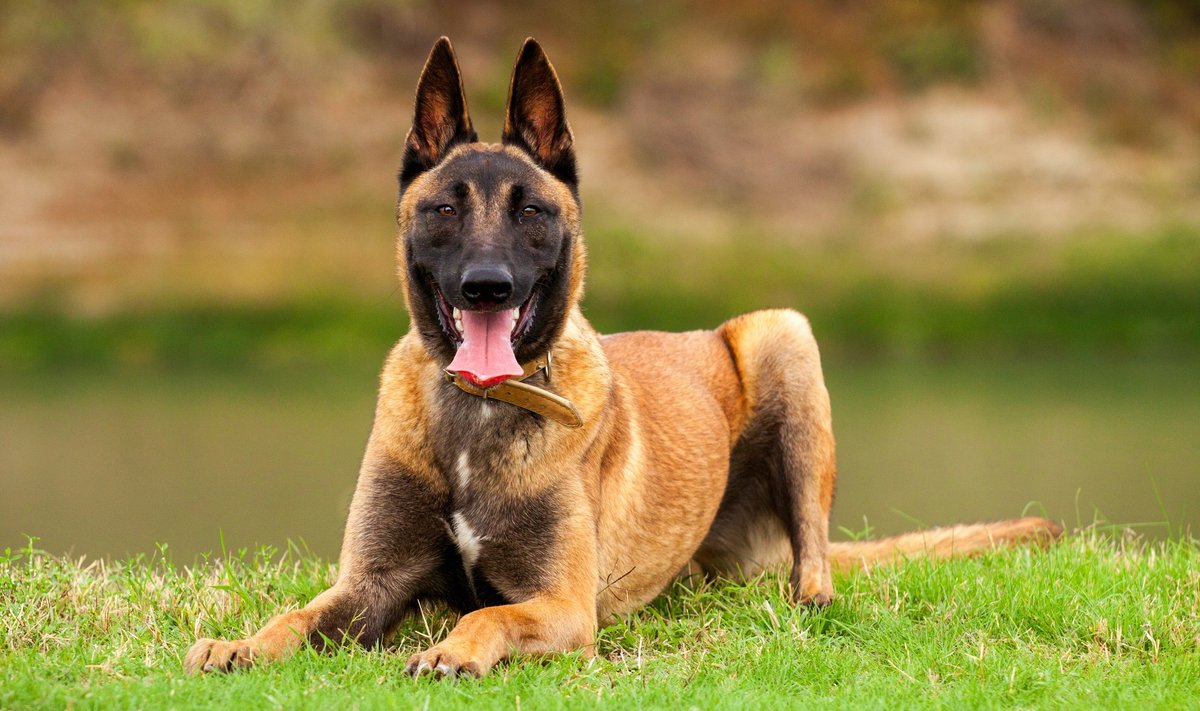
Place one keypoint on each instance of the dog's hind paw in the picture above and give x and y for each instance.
(812, 586)
(819, 600)
(211, 655)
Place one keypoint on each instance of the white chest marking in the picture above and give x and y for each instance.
(463, 468)
(468, 543)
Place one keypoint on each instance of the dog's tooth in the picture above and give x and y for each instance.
(457, 313)
(458, 324)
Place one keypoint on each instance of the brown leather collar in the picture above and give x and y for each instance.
(517, 392)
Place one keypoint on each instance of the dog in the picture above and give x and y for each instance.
(541, 479)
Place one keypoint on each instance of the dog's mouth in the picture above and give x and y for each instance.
(484, 340)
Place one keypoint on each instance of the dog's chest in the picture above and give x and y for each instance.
(503, 536)
(466, 538)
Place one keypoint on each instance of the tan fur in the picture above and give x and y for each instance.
(948, 542)
(708, 451)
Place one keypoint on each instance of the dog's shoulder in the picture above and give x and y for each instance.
(400, 436)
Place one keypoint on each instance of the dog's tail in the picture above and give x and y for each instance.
(949, 542)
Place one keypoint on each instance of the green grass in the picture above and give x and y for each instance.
(1099, 621)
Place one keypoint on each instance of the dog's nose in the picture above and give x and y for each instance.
(486, 285)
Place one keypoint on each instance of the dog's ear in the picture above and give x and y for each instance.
(440, 119)
(536, 117)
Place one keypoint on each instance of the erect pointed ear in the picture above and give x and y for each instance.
(440, 119)
(536, 117)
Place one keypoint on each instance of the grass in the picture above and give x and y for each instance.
(1099, 621)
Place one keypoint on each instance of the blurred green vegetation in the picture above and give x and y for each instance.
(1107, 295)
(936, 55)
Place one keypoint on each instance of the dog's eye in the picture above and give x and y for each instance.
(530, 211)
(445, 210)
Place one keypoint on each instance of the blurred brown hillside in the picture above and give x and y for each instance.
(239, 148)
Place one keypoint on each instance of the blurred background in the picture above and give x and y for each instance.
(990, 211)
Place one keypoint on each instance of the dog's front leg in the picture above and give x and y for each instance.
(360, 610)
(561, 618)
(394, 538)
(484, 637)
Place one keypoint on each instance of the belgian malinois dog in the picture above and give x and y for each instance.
(542, 479)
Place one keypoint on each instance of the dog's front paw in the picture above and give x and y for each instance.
(212, 655)
(443, 662)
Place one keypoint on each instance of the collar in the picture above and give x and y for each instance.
(516, 391)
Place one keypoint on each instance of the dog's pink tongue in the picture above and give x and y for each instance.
(485, 357)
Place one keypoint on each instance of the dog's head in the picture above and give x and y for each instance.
(490, 248)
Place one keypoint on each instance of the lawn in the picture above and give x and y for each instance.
(1102, 620)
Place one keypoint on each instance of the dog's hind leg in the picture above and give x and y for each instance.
(782, 469)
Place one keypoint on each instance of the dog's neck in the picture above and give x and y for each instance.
(516, 391)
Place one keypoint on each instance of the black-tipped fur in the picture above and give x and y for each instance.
(536, 116)
(440, 119)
